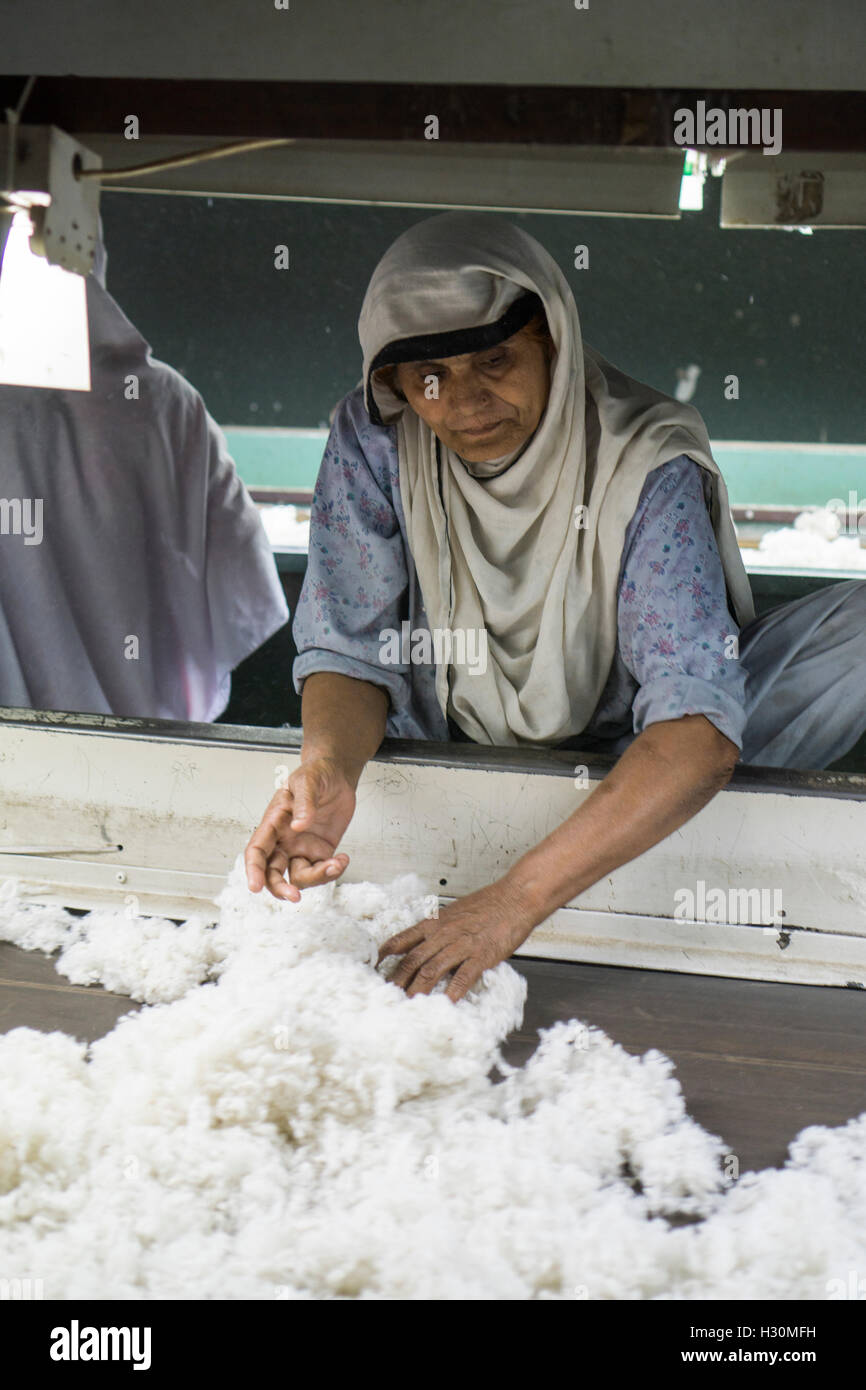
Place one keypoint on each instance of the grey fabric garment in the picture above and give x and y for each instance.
(806, 681)
(153, 576)
(806, 684)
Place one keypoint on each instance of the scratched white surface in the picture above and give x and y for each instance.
(183, 812)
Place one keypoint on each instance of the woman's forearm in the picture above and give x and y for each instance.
(663, 778)
(344, 719)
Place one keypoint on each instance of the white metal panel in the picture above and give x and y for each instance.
(794, 190)
(415, 173)
(468, 826)
(182, 811)
(701, 948)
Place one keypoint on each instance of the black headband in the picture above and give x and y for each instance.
(453, 343)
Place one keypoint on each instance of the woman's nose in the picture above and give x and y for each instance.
(468, 389)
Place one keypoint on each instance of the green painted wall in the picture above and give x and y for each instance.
(755, 473)
(271, 348)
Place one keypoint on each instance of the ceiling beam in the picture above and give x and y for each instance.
(601, 116)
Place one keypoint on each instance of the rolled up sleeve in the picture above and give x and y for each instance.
(356, 584)
(676, 634)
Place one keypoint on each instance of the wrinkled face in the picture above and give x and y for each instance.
(481, 404)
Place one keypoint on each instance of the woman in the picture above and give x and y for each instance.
(493, 475)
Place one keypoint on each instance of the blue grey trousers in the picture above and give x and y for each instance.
(806, 683)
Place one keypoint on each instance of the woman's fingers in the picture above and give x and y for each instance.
(304, 873)
(464, 939)
(307, 846)
(418, 958)
(315, 863)
(295, 835)
(272, 844)
(403, 941)
(464, 979)
(258, 853)
(277, 885)
(265, 839)
(428, 975)
(431, 956)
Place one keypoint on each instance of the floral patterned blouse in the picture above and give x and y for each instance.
(673, 654)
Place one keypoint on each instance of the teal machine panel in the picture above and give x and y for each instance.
(756, 474)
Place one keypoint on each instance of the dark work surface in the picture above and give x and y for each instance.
(757, 1062)
(33, 995)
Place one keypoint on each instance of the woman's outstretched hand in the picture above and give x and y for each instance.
(300, 832)
(469, 936)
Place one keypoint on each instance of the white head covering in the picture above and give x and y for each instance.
(505, 553)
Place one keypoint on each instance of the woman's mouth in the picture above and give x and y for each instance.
(485, 429)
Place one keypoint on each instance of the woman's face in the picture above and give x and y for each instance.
(504, 387)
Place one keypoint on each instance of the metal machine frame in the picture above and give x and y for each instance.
(152, 814)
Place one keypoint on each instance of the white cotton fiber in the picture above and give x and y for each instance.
(32, 926)
(283, 1122)
(813, 542)
(148, 958)
(283, 525)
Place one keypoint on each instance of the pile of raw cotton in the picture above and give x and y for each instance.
(280, 1121)
(813, 542)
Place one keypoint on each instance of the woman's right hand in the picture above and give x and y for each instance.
(300, 831)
